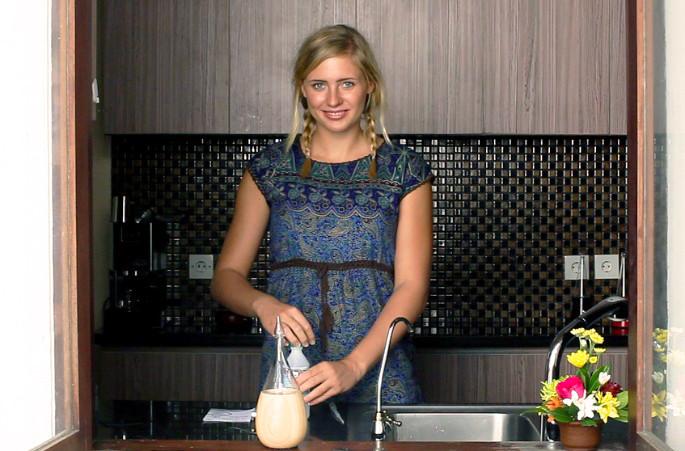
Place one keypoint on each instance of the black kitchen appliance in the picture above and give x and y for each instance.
(137, 278)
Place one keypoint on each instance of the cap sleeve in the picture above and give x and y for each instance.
(262, 167)
(417, 172)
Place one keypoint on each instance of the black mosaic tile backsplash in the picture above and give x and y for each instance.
(506, 211)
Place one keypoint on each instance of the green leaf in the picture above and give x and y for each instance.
(584, 376)
(622, 416)
(594, 384)
(588, 422)
(538, 409)
(565, 414)
(622, 399)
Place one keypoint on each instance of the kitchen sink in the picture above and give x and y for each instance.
(481, 423)
(461, 423)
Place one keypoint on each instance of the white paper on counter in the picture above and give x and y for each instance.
(228, 416)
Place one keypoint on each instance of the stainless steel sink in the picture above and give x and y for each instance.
(482, 423)
(463, 423)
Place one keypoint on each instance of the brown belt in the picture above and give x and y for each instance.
(322, 268)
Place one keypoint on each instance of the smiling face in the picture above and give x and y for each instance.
(336, 92)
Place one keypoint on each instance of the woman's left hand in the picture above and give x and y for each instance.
(327, 379)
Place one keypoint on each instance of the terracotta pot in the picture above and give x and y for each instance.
(576, 437)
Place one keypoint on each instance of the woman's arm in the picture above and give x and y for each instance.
(413, 250)
(229, 284)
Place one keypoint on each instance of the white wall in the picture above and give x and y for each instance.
(26, 322)
(675, 125)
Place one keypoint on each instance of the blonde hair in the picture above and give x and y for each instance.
(328, 42)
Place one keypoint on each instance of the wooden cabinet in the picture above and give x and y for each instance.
(166, 66)
(501, 66)
(491, 376)
(265, 35)
(409, 40)
(451, 66)
(178, 374)
(564, 66)
(446, 376)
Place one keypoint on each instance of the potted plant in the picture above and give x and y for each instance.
(580, 404)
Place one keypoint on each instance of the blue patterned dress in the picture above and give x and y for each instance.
(332, 251)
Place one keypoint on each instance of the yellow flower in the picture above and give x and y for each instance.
(579, 332)
(659, 405)
(593, 359)
(660, 335)
(600, 350)
(578, 358)
(595, 337)
(607, 406)
(549, 390)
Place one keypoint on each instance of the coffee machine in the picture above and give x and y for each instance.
(137, 278)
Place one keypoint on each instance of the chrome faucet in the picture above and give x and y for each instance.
(381, 418)
(602, 309)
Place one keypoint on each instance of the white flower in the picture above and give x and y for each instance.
(604, 378)
(586, 405)
(658, 377)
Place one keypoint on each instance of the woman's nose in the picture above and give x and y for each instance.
(333, 97)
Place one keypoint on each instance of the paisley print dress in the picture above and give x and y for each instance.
(332, 250)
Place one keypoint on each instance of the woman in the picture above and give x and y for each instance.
(350, 221)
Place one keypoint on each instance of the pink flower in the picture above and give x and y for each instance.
(569, 385)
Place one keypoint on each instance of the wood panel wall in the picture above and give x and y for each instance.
(493, 376)
(187, 374)
(450, 66)
(166, 66)
(265, 35)
(446, 376)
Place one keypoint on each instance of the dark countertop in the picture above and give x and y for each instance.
(147, 425)
(227, 340)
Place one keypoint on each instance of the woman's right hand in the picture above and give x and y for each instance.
(296, 328)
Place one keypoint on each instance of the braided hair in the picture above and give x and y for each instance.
(306, 140)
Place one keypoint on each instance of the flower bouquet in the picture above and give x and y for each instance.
(588, 398)
(659, 385)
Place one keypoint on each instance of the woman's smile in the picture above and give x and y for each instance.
(335, 115)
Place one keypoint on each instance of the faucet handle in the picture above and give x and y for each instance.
(390, 421)
(383, 422)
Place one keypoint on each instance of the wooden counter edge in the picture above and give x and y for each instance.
(308, 445)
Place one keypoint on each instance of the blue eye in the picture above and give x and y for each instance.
(348, 84)
(318, 86)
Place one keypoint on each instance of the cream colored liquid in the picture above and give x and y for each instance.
(281, 420)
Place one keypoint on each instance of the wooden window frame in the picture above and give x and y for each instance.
(75, 77)
(640, 97)
(73, 101)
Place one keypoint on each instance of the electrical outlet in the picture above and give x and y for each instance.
(200, 266)
(607, 267)
(572, 267)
